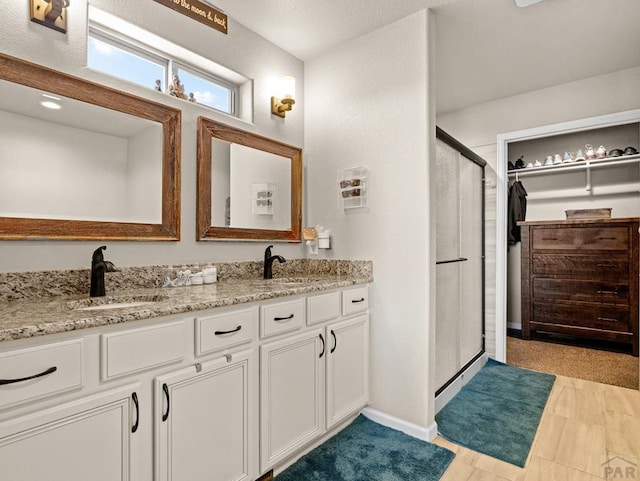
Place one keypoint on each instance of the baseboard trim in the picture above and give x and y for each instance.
(414, 430)
(454, 388)
(514, 325)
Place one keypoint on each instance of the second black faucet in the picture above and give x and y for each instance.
(268, 262)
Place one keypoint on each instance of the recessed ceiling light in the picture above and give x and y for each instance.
(50, 105)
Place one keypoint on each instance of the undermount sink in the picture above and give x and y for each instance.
(115, 305)
(113, 302)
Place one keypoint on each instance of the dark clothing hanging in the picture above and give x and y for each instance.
(517, 208)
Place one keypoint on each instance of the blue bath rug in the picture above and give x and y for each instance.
(367, 451)
(497, 413)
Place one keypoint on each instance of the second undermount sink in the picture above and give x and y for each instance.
(113, 302)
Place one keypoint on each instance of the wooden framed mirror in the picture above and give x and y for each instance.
(249, 187)
(83, 161)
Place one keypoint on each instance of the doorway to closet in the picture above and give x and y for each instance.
(571, 280)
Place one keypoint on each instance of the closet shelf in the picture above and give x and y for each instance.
(585, 165)
(580, 165)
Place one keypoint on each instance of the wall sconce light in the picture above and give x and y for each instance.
(50, 13)
(281, 105)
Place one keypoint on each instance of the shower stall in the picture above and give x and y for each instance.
(459, 260)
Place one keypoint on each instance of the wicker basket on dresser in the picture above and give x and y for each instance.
(580, 278)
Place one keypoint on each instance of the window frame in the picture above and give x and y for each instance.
(169, 64)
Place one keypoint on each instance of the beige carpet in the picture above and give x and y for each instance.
(596, 365)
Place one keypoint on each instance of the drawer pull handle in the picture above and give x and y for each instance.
(608, 319)
(165, 388)
(615, 293)
(605, 238)
(322, 353)
(549, 238)
(290, 316)
(40, 374)
(607, 265)
(355, 301)
(222, 333)
(134, 396)
(335, 341)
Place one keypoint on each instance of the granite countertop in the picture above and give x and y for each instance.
(38, 317)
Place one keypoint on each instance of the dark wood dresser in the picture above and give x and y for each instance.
(580, 278)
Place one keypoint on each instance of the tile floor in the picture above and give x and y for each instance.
(588, 432)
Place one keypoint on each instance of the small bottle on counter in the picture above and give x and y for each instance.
(210, 274)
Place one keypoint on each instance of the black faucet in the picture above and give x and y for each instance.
(268, 262)
(98, 267)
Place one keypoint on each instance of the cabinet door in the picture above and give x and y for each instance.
(347, 368)
(291, 395)
(204, 421)
(89, 439)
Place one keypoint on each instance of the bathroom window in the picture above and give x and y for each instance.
(206, 90)
(121, 56)
(119, 59)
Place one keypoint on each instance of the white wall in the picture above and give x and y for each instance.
(477, 127)
(367, 105)
(241, 50)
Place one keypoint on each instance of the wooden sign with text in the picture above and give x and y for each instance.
(199, 11)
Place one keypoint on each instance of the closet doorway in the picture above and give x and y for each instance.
(606, 183)
(460, 244)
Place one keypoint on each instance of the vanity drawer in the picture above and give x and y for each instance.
(226, 330)
(592, 238)
(53, 369)
(323, 307)
(281, 317)
(135, 350)
(355, 300)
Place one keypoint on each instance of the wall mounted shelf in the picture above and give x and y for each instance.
(352, 185)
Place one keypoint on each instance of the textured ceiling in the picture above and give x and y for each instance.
(307, 28)
(486, 49)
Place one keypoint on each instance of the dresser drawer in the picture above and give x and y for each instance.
(135, 350)
(580, 290)
(580, 266)
(355, 300)
(588, 238)
(225, 330)
(40, 371)
(580, 315)
(281, 317)
(323, 307)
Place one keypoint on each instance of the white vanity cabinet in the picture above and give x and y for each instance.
(291, 395)
(93, 438)
(347, 369)
(204, 420)
(223, 394)
(311, 381)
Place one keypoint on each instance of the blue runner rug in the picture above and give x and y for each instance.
(367, 451)
(498, 411)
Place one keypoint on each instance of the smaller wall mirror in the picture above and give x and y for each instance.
(249, 187)
(84, 161)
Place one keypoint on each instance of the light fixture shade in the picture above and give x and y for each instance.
(288, 87)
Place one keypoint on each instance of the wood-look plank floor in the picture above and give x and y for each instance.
(588, 432)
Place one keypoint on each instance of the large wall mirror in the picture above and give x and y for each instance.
(249, 187)
(84, 161)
